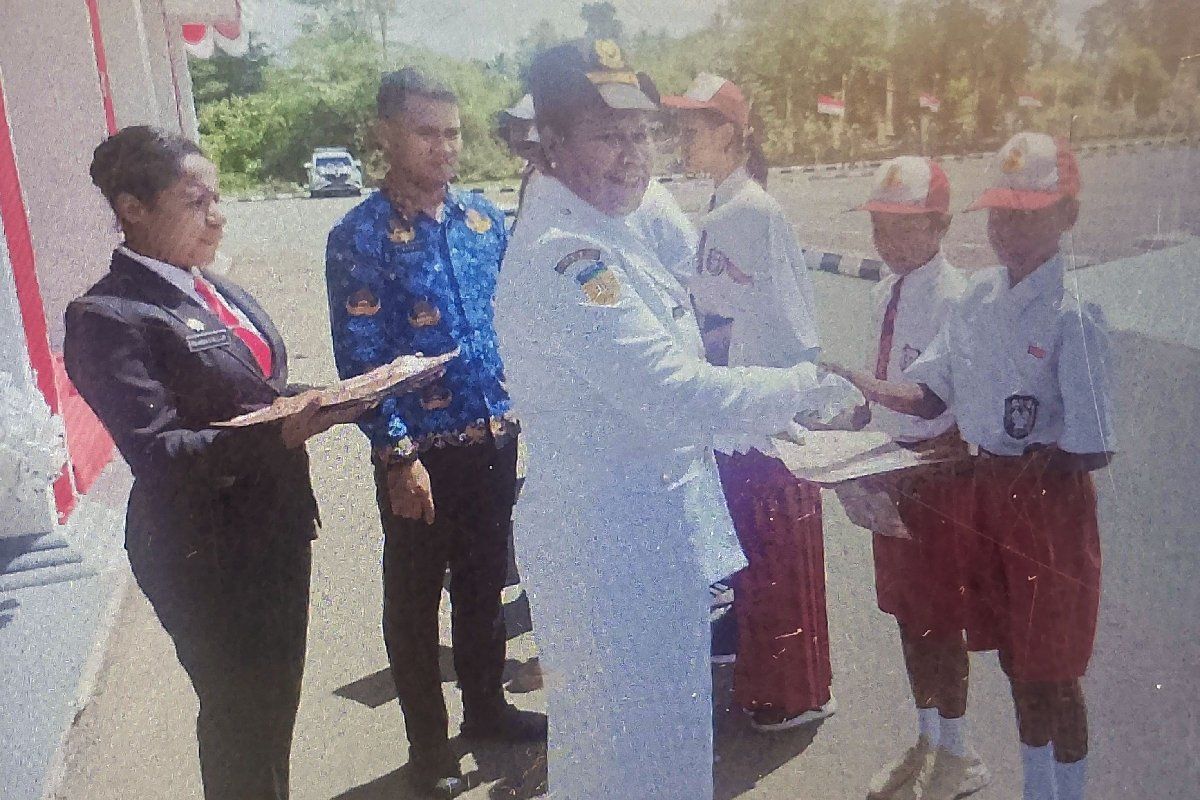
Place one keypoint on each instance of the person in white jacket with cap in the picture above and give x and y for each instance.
(621, 526)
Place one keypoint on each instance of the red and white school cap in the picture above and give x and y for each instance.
(909, 185)
(716, 94)
(1033, 171)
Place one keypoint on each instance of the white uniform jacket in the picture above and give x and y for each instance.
(618, 404)
(1023, 365)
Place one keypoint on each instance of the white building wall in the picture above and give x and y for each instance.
(54, 106)
(156, 25)
(130, 64)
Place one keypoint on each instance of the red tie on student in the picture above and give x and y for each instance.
(258, 346)
(888, 333)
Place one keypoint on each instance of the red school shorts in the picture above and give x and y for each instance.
(920, 581)
(1034, 568)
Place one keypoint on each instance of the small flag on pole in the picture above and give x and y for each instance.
(1028, 100)
(930, 102)
(831, 106)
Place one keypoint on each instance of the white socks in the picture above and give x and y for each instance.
(952, 736)
(1039, 768)
(928, 727)
(1071, 779)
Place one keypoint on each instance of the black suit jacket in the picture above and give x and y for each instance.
(158, 368)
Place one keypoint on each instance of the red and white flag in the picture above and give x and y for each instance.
(930, 102)
(1028, 100)
(831, 105)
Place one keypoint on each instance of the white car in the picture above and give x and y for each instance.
(333, 171)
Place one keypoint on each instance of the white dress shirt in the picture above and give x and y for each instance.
(1023, 365)
(185, 281)
(927, 296)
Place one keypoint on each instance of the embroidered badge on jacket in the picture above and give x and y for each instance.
(600, 285)
(362, 303)
(196, 325)
(436, 397)
(478, 222)
(424, 314)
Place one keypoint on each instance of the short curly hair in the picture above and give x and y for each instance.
(139, 160)
(395, 87)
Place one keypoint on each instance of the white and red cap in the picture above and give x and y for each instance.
(909, 185)
(1034, 171)
(714, 93)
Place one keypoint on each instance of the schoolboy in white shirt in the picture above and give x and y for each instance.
(919, 580)
(1023, 366)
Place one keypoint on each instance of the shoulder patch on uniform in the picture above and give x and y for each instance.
(600, 284)
(586, 254)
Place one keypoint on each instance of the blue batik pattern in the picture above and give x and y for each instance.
(399, 286)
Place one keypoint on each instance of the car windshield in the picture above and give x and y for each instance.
(333, 161)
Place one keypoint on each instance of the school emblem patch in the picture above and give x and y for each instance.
(478, 222)
(717, 263)
(196, 325)
(362, 304)
(1020, 415)
(908, 356)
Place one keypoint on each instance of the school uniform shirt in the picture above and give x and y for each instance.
(398, 286)
(1023, 365)
(749, 267)
(923, 301)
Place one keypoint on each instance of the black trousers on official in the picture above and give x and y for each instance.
(238, 616)
(474, 491)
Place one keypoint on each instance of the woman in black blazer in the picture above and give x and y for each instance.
(220, 521)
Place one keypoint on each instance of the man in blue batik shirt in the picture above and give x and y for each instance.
(412, 269)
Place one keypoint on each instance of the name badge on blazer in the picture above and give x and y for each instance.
(208, 340)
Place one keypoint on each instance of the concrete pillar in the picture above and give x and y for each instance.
(186, 103)
(156, 24)
(57, 116)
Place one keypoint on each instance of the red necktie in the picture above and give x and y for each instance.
(258, 345)
(888, 332)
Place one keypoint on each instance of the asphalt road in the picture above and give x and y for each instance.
(136, 739)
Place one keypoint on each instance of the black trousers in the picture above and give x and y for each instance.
(473, 494)
(238, 615)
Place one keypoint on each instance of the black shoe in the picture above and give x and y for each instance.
(435, 772)
(724, 636)
(505, 722)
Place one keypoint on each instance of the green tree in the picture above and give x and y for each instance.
(224, 75)
(1138, 77)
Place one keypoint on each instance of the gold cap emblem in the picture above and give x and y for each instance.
(608, 54)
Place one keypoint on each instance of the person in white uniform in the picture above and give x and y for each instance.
(621, 526)
(749, 268)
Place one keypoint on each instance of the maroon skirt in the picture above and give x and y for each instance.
(783, 631)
